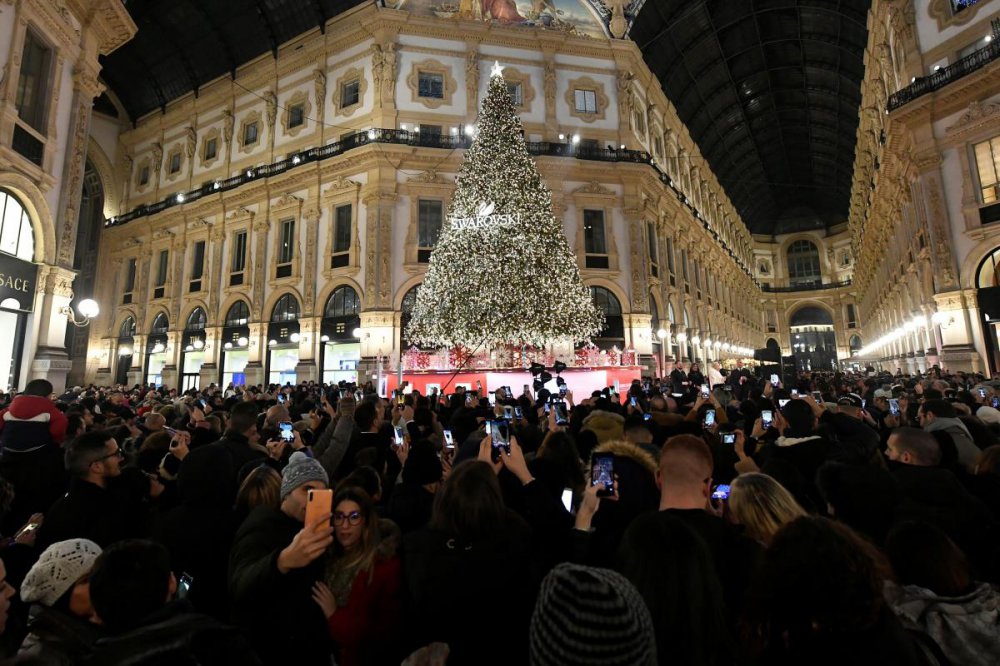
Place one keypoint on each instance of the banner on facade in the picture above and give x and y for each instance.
(18, 280)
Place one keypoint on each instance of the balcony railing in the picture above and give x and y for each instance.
(425, 139)
(813, 286)
(939, 79)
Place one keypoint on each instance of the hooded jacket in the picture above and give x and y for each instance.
(968, 452)
(30, 423)
(967, 628)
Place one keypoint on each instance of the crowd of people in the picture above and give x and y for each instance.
(735, 519)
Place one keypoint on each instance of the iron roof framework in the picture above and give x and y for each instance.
(770, 92)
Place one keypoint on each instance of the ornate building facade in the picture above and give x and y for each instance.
(274, 227)
(48, 83)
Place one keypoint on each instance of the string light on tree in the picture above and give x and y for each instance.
(502, 272)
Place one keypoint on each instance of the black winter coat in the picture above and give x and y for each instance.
(39, 479)
(103, 515)
(276, 609)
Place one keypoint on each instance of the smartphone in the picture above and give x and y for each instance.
(817, 396)
(782, 402)
(709, 418)
(729, 438)
(518, 413)
(567, 499)
(281, 397)
(766, 418)
(704, 391)
(893, 406)
(774, 380)
(319, 502)
(449, 441)
(527, 390)
(184, 585)
(721, 492)
(561, 417)
(468, 398)
(982, 393)
(398, 439)
(632, 401)
(501, 437)
(647, 416)
(562, 391)
(602, 472)
(202, 403)
(399, 398)
(996, 402)
(285, 431)
(795, 393)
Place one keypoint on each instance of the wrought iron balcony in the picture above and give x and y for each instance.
(812, 286)
(953, 72)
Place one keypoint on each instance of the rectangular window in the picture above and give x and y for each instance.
(144, 176)
(197, 266)
(350, 93)
(162, 267)
(286, 251)
(211, 148)
(175, 163)
(429, 218)
(594, 239)
(988, 166)
(586, 101)
(852, 321)
(249, 133)
(129, 281)
(654, 262)
(430, 85)
(32, 85)
(238, 262)
(516, 92)
(684, 264)
(670, 254)
(342, 236)
(296, 115)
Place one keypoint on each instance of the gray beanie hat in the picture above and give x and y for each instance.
(301, 469)
(585, 616)
(57, 570)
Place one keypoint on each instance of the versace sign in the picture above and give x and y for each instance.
(18, 279)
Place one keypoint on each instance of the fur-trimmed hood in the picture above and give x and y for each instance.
(608, 426)
(635, 452)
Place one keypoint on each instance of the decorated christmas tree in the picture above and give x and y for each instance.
(502, 272)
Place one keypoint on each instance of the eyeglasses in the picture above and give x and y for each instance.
(119, 453)
(352, 518)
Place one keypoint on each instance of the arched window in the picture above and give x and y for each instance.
(127, 329)
(406, 313)
(613, 333)
(803, 263)
(343, 302)
(989, 271)
(855, 343)
(671, 317)
(196, 321)
(286, 309)
(238, 315)
(160, 325)
(16, 235)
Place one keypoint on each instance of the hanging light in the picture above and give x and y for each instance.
(294, 337)
(272, 342)
(242, 342)
(198, 344)
(227, 346)
(324, 338)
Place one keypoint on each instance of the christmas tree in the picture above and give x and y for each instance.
(502, 272)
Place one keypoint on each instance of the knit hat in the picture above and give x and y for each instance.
(586, 615)
(301, 469)
(57, 570)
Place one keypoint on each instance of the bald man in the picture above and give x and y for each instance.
(685, 480)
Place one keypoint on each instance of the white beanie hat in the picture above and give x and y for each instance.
(58, 569)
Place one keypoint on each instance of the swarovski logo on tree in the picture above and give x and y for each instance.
(502, 272)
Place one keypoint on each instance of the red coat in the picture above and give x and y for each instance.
(30, 422)
(372, 612)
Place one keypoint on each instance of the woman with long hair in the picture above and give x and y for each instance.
(761, 505)
(361, 593)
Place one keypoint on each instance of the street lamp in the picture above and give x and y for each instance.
(87, 308)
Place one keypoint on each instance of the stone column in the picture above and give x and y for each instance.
(257, 348)
(50, 359)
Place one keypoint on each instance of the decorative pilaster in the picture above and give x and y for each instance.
(259, 268)
(311, 219)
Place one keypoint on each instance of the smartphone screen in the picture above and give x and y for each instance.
(281, 397)
(561, 417)
(647, 416)
(709, 418)
(602, 472)
(774, 380)
(996, 402)
(518, 413)
(782, 402)
(184, 585)
(721, 492)
(767, 417)
(633, 402)
(468, 398)
(399, 436)
(982, 393)
(449, 442)
(729, 438)
(817, 396)
(562, 391)
(501, 436)
(795, 393)
(285, 431)
(567, 499)
(526, 389)
(508, 412)
(704, 391)
(893, 406)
